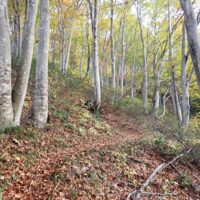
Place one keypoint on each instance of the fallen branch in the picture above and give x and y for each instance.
(137, 194)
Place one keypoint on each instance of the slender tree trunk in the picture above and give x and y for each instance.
(156, 96)
(62, 53)
(17, 34)
(157, 74)
(20, 88)
(145, 80)
(101, 75)
(96, 76)
(165, 99)
(81, 60)
(104, 65)
(133, 70)
(67, 50)
(6, 109)
(53, 56)
(185, 85)
(123, 58)
(88, 46)
(40, 98)
(112, 48)
(174, 92)
(193, 36)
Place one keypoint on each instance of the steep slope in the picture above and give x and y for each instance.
(82, 155)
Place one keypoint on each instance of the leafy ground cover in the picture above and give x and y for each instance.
(82, 155)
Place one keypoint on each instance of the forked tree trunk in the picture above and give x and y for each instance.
(6, 109)
(40, 98)
(20, 88)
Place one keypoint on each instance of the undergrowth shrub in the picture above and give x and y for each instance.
(184, 180)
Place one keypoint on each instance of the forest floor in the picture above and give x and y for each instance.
(86, 156)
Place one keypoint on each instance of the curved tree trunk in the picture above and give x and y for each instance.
(20, 88)
(40, 98)
(6, 109)
(193, 36)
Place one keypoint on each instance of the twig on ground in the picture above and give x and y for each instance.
(159, 194)
(137, 194)
(55, 188)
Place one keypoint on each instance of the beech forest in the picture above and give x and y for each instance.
(99, 99)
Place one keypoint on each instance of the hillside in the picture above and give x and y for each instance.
(85, 155)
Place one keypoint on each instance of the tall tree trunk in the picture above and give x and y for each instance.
(145, 79)
(88, 45)
(96, 76)
(6, 109)
(68, 48)
(20, 88)
(40, 98)
(193, 36)
(123, 58)
(133, 69)
(112, 47)
(185, 85)
(157, 74)
(174, 92)
(62, 52)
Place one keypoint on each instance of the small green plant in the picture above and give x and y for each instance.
(73, 191)
(61, 142)
(57, 176)
(63, 115)
(129, 173)
(167, 146)
(13, 130)
(160, 144)
(184, 180)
